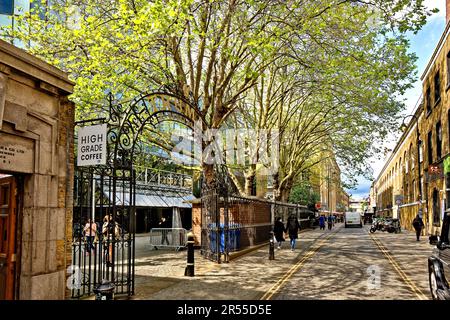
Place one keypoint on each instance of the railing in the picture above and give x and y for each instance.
(94, 261)
(168, 237)
(152, 176)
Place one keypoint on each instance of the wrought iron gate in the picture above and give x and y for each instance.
(104, 230)
(215, 244)
(104, 247)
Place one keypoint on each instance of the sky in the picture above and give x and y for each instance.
(423, 44)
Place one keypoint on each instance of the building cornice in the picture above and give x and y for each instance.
(21, 60)
(417, 113)
(436, 52)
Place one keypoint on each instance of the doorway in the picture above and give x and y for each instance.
(8, 232)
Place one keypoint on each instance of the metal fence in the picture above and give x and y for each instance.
(168, 237)
(232, 223)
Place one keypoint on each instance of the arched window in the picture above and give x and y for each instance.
(406, 162)
(411, 156)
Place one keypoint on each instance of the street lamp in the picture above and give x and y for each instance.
(403, 127)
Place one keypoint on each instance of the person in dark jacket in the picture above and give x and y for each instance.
(322, 222)
(418, 225)
(279, 230)
(330, 221)
(292, 228)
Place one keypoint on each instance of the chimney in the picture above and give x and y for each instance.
(447, 11)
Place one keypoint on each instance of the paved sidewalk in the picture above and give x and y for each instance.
(161, 276)
(410, 254)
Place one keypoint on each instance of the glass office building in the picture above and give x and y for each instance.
(9, 9)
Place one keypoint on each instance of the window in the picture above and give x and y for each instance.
(420, 151)
(448, 69)
(430, 148)
(413, 191)
(438, 140)
(36, 7)
(406, 162)
(406, 193)
(6, 7)
(420, 186)
(436, 208)
(428, 100)
(411, 156)
(437, 88)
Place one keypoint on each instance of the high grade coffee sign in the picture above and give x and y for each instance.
(92, 145)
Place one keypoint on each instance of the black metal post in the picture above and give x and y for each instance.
(189, 271)
(271, 247)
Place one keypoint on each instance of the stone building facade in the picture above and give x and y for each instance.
(36, 176)
(417, 175)
(333, 197)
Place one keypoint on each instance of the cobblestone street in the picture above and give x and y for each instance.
(333, 264)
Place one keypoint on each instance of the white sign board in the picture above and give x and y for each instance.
(92, 145)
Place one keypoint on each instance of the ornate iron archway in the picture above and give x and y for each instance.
(108, 193)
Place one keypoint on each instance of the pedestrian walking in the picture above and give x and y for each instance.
(110, 231)
(330, 222)
(292, 228)
(322, 222)
(418, 225)
(279, 230)
(90, 231)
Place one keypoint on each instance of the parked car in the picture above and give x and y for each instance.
(439, 262)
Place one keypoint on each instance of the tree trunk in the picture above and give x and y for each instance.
(250, 176)
(285, 191)
(209, 176)
(276, 187)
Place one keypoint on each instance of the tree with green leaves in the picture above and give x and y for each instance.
(347, 56)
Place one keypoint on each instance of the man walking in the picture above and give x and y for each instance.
(292, 228)
(330, 221)
(164, 225)
(418, 224)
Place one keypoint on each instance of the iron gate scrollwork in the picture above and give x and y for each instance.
(104, 247)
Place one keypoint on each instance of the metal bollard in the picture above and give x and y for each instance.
(271, 247)
(189, 271)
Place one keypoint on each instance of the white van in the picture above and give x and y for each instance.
(353, 219)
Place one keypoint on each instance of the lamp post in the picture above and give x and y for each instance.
(404, 126)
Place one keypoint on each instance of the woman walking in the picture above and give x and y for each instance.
(90, 231)
(418, 225)
(279, 230)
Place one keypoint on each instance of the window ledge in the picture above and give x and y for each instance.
(428, 113)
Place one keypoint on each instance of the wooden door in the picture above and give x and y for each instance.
(8, 218)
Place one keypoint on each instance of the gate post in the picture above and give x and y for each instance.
(271, 247)
(189, 271)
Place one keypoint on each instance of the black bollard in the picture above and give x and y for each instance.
(189, 271)
(271, 247)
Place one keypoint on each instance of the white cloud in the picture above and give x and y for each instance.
(440, 4)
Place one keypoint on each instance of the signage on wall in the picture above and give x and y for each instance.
(92, 145)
